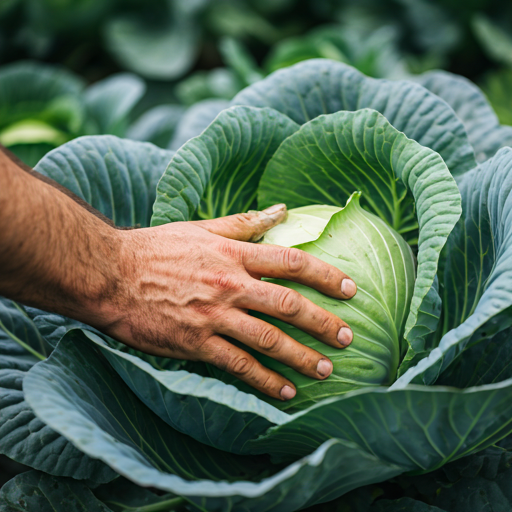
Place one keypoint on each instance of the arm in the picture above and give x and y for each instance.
(172, 290)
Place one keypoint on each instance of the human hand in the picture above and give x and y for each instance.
(185, 285)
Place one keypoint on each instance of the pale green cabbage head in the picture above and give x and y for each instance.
(382, 264)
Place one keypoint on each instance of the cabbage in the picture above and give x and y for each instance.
(382, 264)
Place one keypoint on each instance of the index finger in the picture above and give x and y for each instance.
(298, 266)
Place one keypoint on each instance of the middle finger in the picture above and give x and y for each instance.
(291, 307)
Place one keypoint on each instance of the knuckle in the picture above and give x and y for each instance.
(303, 359)
(326, 325)
(294, 260)
(240, 366)
(202, 307)
(266, 384)
(222, 280)
(269, 340)
(288, 303)
(230, 249)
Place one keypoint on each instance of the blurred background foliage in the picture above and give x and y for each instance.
(63, 62)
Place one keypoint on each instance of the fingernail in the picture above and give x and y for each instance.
(287, 393)
(274, 209)
(348, 287)
(345, 336)
(324, 367)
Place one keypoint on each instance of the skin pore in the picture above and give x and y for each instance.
(175, 290)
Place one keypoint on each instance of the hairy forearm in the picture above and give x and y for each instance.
(54, 254)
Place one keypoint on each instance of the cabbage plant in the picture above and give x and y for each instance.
(389, 166)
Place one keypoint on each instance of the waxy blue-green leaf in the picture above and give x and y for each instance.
(419, 428)
(41, 107)
(320, 86)
(485, 133)
(217, 173)
(31, 90)
(118, 177)
(209, 411)
(23, 437)
(21, 344)
(196, 119)
(157, 125)
(79, 395)
(162, 49)
(110, 101)
(34, 491)
(404, 505)
(403, 183)
(478, 269)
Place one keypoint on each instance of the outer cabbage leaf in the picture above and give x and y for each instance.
(404, 505)
(21, 344)
(76, 391)
(23, 437)
(195, 120)
(320, 86)
(157, 125)
(33, 491)
(485, 133)
(118, 177)
(478, 270)
(419, 428)
(333, 155)
(218, 172)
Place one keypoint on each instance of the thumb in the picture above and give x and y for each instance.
(246, 227)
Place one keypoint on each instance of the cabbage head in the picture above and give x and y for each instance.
(382, 264)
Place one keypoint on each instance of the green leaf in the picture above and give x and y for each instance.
(31, 90)
(496, 86)
(27, 440)
(121, 495)
(478, 270)
(480, 482)
(118, 177)
(209, 411)
(79, 395)
(35, 491)
(485, 133)
(238, 58)
(404, 505)
(403, 183)
(320, 86)
(21, 344)
(159, 49)
(201, 85)
(218, 172)
(23, 437)
(374, 53)
(196, 119)
(496, 42)
(110, 101)
(157, 125)
(419, 428)
(484, 362)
